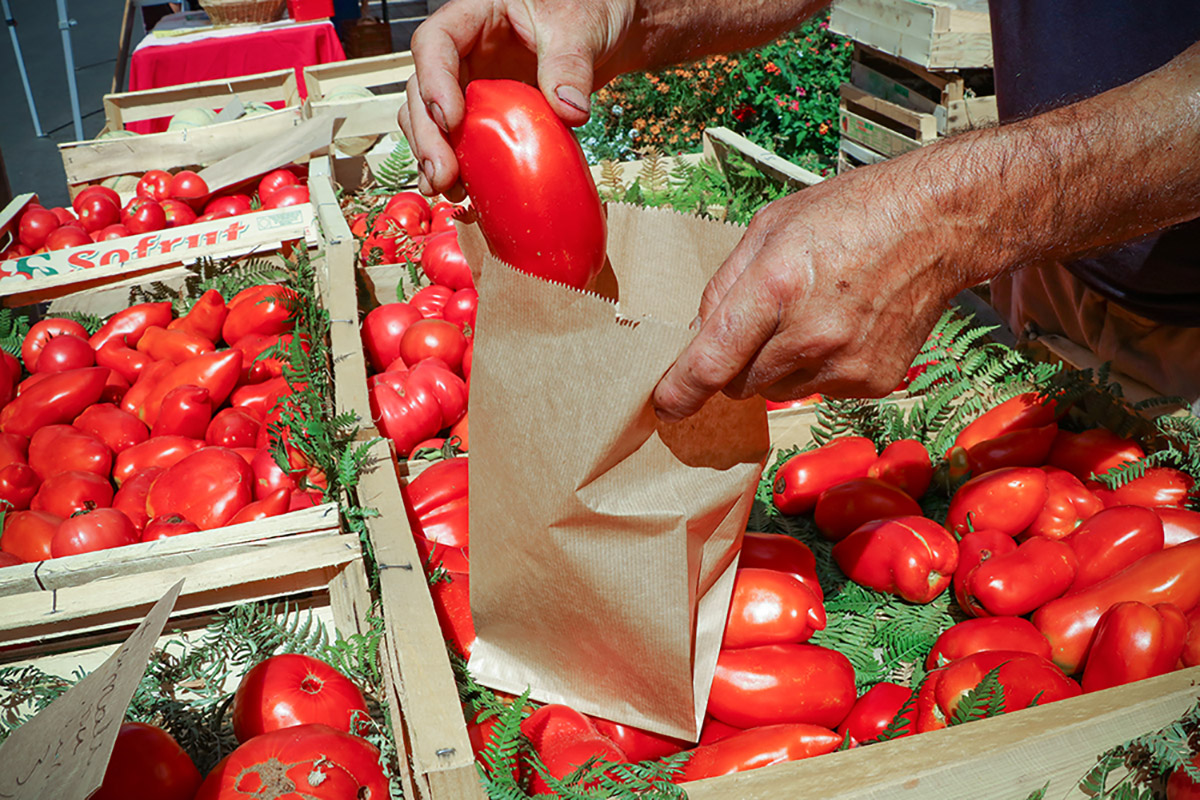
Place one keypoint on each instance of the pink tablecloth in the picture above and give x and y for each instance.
(185, 59)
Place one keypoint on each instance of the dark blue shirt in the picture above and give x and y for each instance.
(1052, 52)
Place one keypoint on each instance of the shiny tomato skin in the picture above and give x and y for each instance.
(41, 332)
(637, 744)
(67, 236)
(452, 603)
(155, 184)
(287, 196)
(537, 203)
(905, 464)
(912, 557)
(987, 633)
(1028, 410)
(232, 428)
(166, 526)
(101, 529)
(431, 300)
(411, 215)
(444, 262)
(1019, 582)
(1112, 540)
(147, 763)
(144, 215)
(207, 487)
(18, 485)
(61, 448)
(275, 180)
(66, 352)
(784, 554)
(97, 212)
(188, 186)
(1159, 486)
(770, 607)
(801, 479)
(266, 310)
(874, 711)
(382, 329)
(186, 411)
(781, 683)
(1179, 525)
(67, 492)
(461, 308)
(27, 534)
(131, 497)
(35, 226)
(759, 747)
(87, 192)
(303, 762)
(1068, 504)
(433, 338)
(294, 689)
(1134, 641)
(118, 429)
(1007, 499)
(843, 508)
(230, 205)
(158, 451)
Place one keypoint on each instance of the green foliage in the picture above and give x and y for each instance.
(1039, 794)
(90, 322)
(903, 718)
(228, 276)
(397, 171)
(1135, 768)
(782, 96)
(983, 701)
(13, 327)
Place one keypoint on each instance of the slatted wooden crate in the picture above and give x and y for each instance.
(936, 34)
(366, 118)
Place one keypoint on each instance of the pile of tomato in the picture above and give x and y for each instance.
(419, 351)
(152, 426)
(162, 201)
(295, 719)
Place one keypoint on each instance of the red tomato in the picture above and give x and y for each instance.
(528, 179)
(166, 526)
(1180, 786)
(155, 184)
(177, 213)
(207, 487)
(144, 215)
(18, 485)
(205, 318)
(1160, 486)
(800, 480)
(912, 557)
(1111, 541)
(460, 309)
(97, 212)
(443, 216)
(1024, 447)
(411, 215)
(116, 231)
(78, 201)
(14, 449)
(382, 329)
(1179, 525)
(1006, 500)
(35, 226)
(118, 429)
(905, 464)
(784, 554)
(129, 325)
(232, 427)
(269, 477)
(274, 504)
(131, 497)
(27, 534)
(287, 196)
(67, 236)
(304, 762)
(438, 498)
(231, 205)
(431, 300)
(266, 310)
(186, 411)
(65, 217)
(1029, 410)
(62, 448)
(986, 633)
(100, 529)
(294, 689)
(759, 747)
(147, 763)
(67, 492)
(160, 451)
(1134, 641)
(1068, 504)
(843, 508)
(452, 603)
(875, 710)
(66, 352)
(217, 372)
(443, 261)
(274, 180)
(637, 744)
(41, 332)
(770, 607)
(189, 187)
(780, 683)
(433, 338)
(1016, 583)
(1092, 452)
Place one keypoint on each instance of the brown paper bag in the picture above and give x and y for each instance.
(603, 542)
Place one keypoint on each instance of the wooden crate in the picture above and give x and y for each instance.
(365, 117)
(937, 34)
(959, 100)
(124, 108)
(427, 718)
(915, 125)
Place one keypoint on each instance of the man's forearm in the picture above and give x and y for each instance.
(666, 32)
(1089, 175)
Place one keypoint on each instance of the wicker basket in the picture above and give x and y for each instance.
(233, 12)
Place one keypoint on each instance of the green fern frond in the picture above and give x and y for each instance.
(983, 701)
(396, 171)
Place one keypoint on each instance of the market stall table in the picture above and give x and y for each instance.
(185, 48)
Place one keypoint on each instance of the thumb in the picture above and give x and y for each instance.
(566, 69)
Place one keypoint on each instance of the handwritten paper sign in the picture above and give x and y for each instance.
(63, 751)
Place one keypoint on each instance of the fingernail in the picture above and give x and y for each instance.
(696, 323)
(427, 170)
(572, 97)
(435, 111)
(666, 416)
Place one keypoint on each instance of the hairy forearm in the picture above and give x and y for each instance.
(666, 32)
(1086, 176)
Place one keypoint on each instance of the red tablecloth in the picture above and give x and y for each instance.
(182, 61)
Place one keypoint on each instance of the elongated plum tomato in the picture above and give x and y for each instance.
(530, 183)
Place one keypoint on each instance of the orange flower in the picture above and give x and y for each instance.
(823, 128)
(702, 74)
(655, 129)
(720, 109)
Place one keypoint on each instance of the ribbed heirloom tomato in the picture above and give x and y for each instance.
(294, 689)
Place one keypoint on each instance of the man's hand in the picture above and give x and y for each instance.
(830, 289)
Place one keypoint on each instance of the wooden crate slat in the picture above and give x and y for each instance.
(719, 141)
(935, 35)
(873, 135)
(432, 716)
(321, 79)
(267, 87)
(294, 564)
(925, 126)
(994, 759)
(364, 116)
